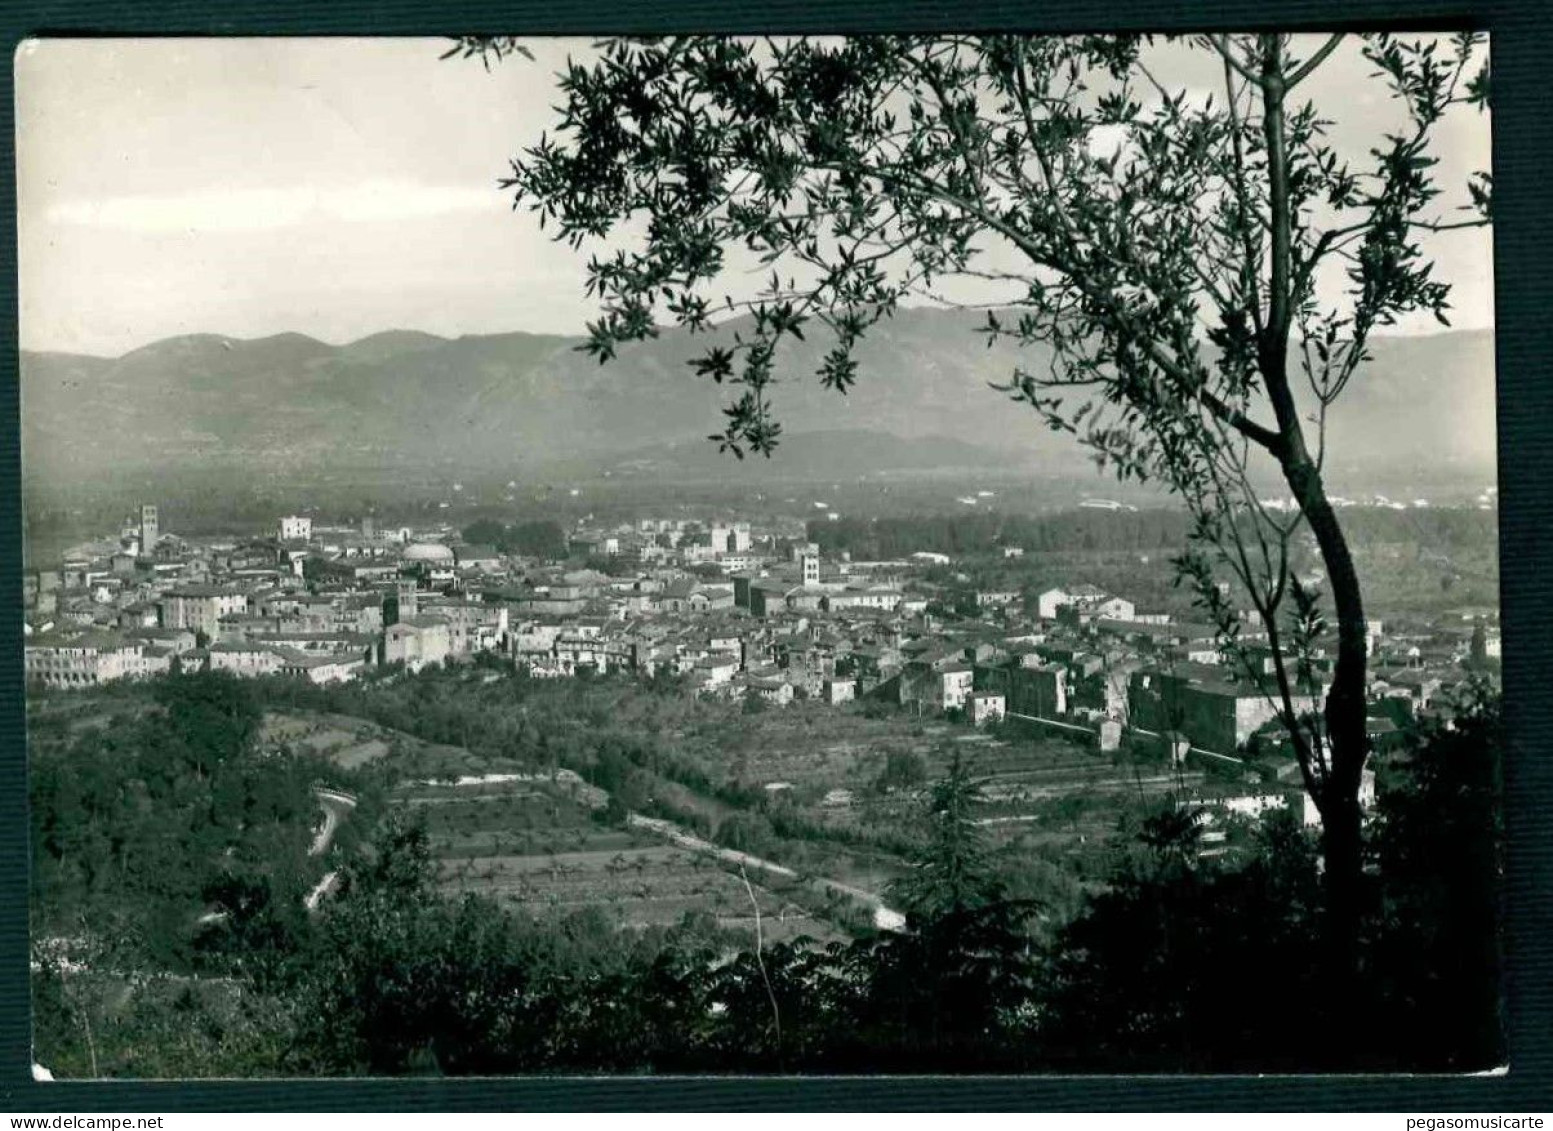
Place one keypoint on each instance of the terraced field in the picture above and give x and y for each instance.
(812, 746)
(816, 757)
(641, 886)
(345, 741)
(533, 840)
(350, 743)
(837, 841)
(508, 818)
(535, 844)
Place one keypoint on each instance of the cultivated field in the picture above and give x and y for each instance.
(351, 743)
(536, 844)
(830, 831)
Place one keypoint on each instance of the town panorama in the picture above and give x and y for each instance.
(847, 556)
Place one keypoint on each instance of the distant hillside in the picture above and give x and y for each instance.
(518, 401)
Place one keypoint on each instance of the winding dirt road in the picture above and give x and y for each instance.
(885, 918)
(335, 805)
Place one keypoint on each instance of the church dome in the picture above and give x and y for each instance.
(428, 552)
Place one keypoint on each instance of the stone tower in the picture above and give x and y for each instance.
(148, 529)
(402, 604)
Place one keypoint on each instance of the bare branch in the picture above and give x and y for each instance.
(1313, 62)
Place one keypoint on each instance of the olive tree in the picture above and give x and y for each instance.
(1205, 272)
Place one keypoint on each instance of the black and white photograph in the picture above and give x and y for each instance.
(857, 555)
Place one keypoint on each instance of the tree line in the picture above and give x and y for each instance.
(539, 538)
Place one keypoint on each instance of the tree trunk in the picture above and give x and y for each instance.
(1347, 748)
(1347, 742)
(1337, 795)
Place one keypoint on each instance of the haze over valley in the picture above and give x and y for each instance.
(535, 406)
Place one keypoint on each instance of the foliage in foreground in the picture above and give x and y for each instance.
(1183, 962)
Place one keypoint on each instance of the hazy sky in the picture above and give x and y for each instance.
(339, 187)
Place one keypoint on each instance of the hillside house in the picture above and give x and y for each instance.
(295, 528)
(986, 706)
(777, 692)
(88, 659)
(714, 671)
(1214, 713)
(1029, 687)
(416, 641)
(244, 659)
(321, 669)
(942, 688)
(837, 691)
(200, 608)
(885, 597)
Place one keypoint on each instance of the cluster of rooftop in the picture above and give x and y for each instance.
(733, 609)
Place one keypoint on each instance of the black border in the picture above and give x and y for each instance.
(1522, 139)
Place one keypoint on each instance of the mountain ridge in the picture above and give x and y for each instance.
(409, 398)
